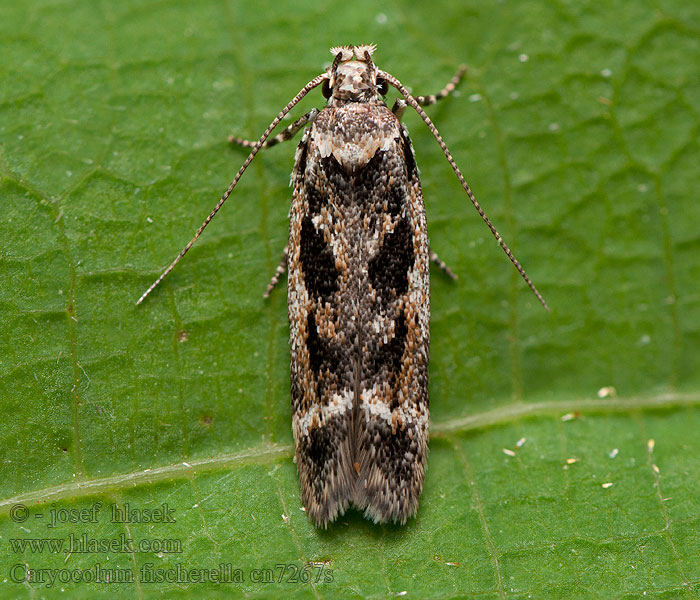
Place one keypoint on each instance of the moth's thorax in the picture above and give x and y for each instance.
(354, 81)
(354, 133)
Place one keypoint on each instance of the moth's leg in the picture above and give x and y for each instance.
(444, 92)
(400, 104)
(436, 259)
(281, 268)
(287, 134)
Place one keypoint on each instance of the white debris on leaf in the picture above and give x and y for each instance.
(607, 392)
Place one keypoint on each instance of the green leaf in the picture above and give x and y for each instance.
(577, 127)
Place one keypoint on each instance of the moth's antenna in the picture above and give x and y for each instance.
(412, 101)
(336, 60)
(305, 90)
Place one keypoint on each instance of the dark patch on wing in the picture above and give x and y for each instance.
(331, 167)
(395, 200)
(408, 156)
(391, 355)
(375, 164)
(323, 356)
(317, 262)
(304, 147)
(314, 198)
(369, 189)
(320, 449)
(393, 351)
(396, 453)
(388, 270)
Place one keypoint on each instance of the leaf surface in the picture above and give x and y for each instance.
(577, 127)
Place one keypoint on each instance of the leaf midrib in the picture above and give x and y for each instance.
(266, 453)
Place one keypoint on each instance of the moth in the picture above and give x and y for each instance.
(358, 291)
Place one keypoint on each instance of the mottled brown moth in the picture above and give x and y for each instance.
(358, 292)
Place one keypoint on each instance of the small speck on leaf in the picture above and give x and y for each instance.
(607, 392)
(571, 416)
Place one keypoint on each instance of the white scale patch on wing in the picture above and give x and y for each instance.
(374, 405)
(339, 405)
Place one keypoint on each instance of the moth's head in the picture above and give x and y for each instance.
(352, 76)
